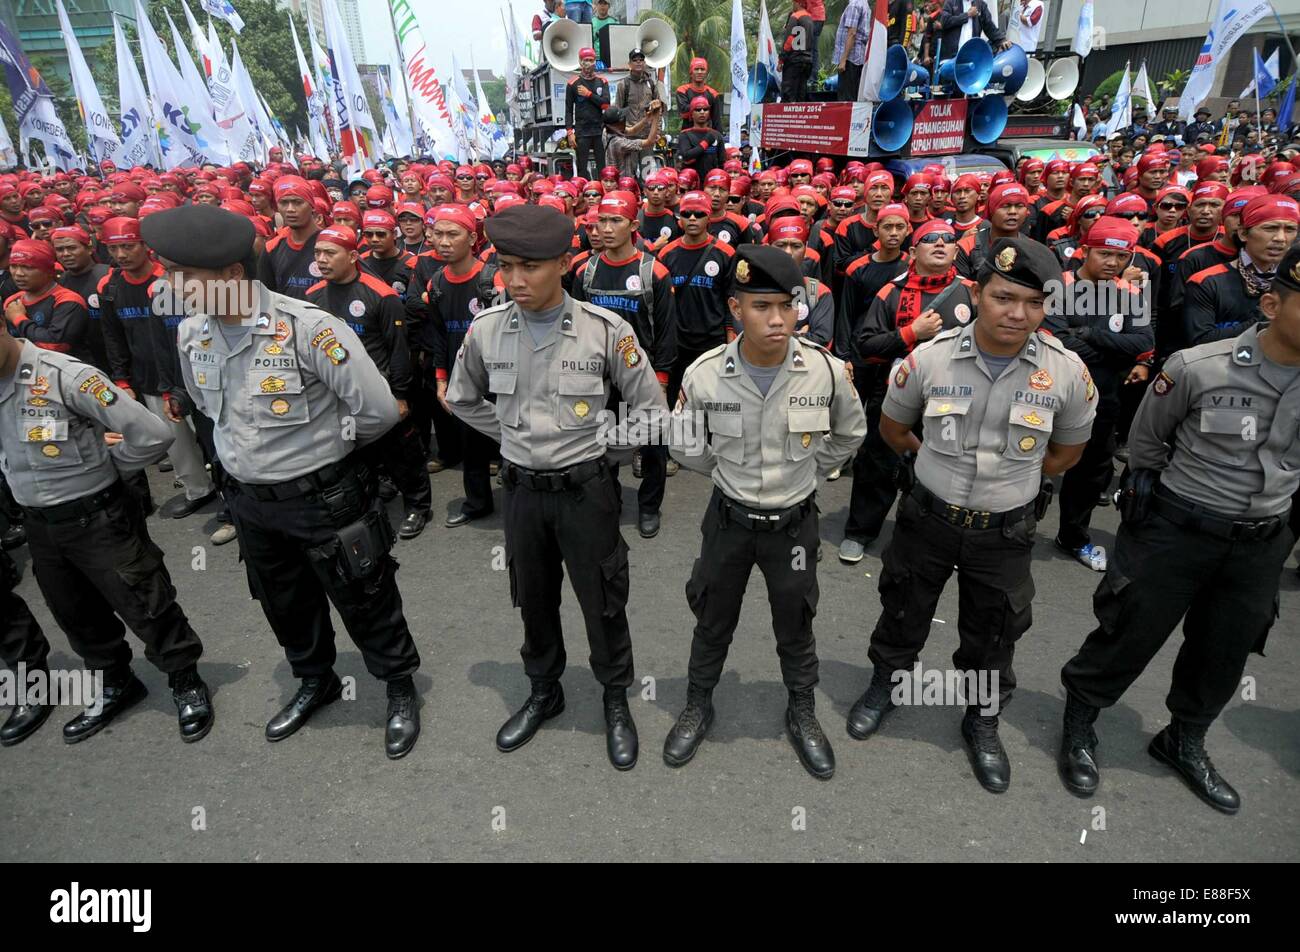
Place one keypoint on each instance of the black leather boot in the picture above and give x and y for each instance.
(620, 731)
(810, 742)
(987, 755)
(1182, 746)
(118, 696)
(24, 720)
(546, 701)
(692, 724)
(193, 704)
(403, 728)
(869, 711)
(1078, 759)
(312, 694)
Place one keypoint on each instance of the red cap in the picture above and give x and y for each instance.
(1084, 169)
(843, 193)
(1008, 193)
(44, 213)
(1176, 191)
(1127, 203)
(918, 180)
(438, 180)
(880, 178)
(346, 209)
(379, 196)
(378, 218)
(895, 210)
(120, 230)
(1216, 190)
(619, 202)
(586, 53)
(552, 200)
(75, 232)
(1111, 233)
(698, 62)
(1238, 200)
(699, 102)
(786, 227)
(609, 173)
(340, 235)
(799, 167)
(1264, 208)
(1152, 160)
(458, 215)
(293, 186)
(33, 254)
(968, 180)
(695, 202)
(718, 177)
(127, 192)
(1056, 165)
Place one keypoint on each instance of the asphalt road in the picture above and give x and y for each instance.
(135, 792)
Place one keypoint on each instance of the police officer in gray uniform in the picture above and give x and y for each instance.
(768, 414)
(67, 436)
(1203, 539)
(1003, 404)
(549, 362)
(292, 394)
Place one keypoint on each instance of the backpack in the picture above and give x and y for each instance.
(646, 292)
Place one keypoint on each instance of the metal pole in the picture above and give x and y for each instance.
(1051, 27)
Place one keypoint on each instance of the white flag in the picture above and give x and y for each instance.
(514, 68)
(199, 40)
(101, 131)
(247, 96)
(138, 131)
(1121, 109)
(873, 67)
(198, 92)
(396, 132)
(8, 155)
(1231, 20)
(739, 110)
(1079, 123)
(464, 113)
(351, 106)
(1142, 89)
(428, 94)
(186, 131)
(490, 136)
(223, 10)
(1082, 44)
(766, 53)
(313, 95)
(233, 115)
(324, 84)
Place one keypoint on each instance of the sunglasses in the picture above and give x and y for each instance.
(934, 237)
(464, 178)
(375, 234)
(692, 214)
(1171, 206)
(1094, 213)
(1128, 216)
(842, 204)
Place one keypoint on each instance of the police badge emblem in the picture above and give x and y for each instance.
(1027, 443)
(742, 272)
(1006, 259)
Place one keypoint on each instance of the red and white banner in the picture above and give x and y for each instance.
(939, 127)
(830, 128)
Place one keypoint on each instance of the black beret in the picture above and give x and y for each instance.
(531, 232)
(1022, 261)
(199, 236)
(1288, 272)
(760, 269)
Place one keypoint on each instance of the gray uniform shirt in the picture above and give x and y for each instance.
(54, 412)
(767, 452)
(550, 395)
(294, 394)
(983, 440)
(1233, 420)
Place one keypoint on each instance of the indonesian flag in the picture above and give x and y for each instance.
(873, 69)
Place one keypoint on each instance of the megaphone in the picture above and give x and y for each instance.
(892, 125)
(561, 42)
(1032, 87)
(1063, 78)
(758, 82)
(1010, 67)
(900, 73)
(657, 41)
(971, 69)
(988, 119)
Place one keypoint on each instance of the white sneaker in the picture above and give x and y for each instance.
(1093, 556)
(832, 476)
(225, 533)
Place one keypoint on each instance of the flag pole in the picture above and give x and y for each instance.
(406, 86)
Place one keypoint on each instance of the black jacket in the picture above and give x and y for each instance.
(954, 18)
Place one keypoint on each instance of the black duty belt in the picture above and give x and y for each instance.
(552, 480)
(321, 479)
(1189, 515)
(964, 518)
(761, 520)
(79, 508)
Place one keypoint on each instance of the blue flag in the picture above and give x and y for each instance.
(1265, 82)
(1288, 105)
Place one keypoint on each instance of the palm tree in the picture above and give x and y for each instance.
(703, 28)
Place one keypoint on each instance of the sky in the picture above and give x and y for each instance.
(450, 25)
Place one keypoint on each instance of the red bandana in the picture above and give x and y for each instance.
(909, 300)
